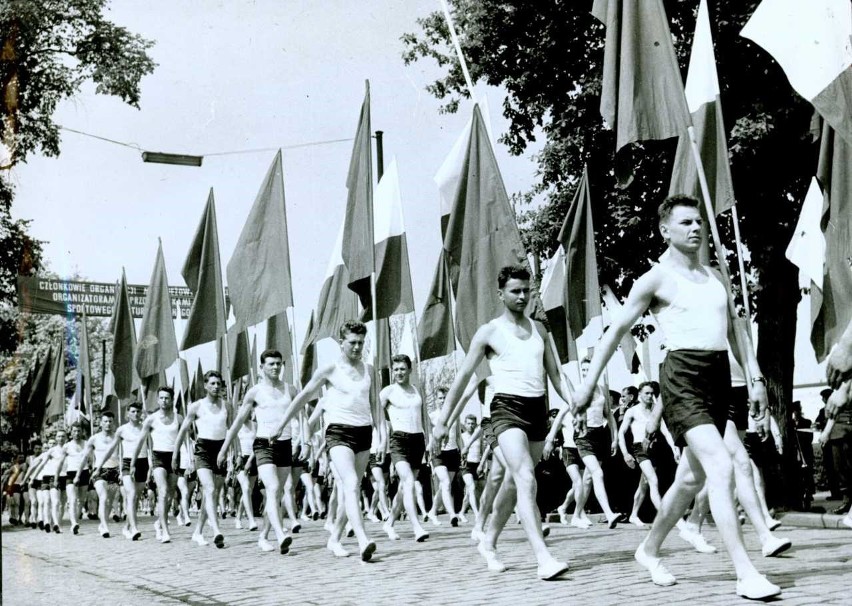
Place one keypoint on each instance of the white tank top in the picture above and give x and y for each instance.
(270, 405)
(52, 466)
(405, 410)
(697, 317)
(474, 452)
(452, 439)
(518, 364)
(486, 405)
(73, 455)
(130, 437)
(246, 436)
(101, 444)
(347, 400)
(163, 435)
(211, 424)
(186, 453)
(37, 461)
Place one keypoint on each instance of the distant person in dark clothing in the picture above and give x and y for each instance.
(828, 466)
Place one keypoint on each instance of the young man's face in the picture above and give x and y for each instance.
(352, 345)
(646, 395)
(470, 425)
(61, 437)
(133, 414)
(684, 228)
(213, 385)
(272, 367)
(584, 369)
(37, 449)
(164, 400)
(401, 372)
(515, 294)
(106, 424)
(75, 433)
(626, 398)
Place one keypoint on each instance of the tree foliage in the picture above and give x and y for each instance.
(548, 56)
(50, 48)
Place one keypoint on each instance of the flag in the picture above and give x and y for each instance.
(435, 331)
(238, 352)
(55, 403)
(812, 42)
(393, 272)
(157, 348)
(37, 402)
(253, 360)
(807, 246)
(259, 283)
(642, 91)
(278, 337)
(702, 98)
(309, 355)
(553, 289)
(358, 245)
(24, 398)
(198, 384)
(202, 272)
(336, 302)
(151, 386)
(125, 377)
(627, 345)
(84, 370)
(482, 235)
(184, 377)
(583, 293)
(831, 305)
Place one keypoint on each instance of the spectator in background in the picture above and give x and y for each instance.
(828, 467)
(836, 440)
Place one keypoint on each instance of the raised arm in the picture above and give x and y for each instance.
(310, 391)
(474, 356)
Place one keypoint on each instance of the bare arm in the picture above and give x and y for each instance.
(551, 366)
(474, 356)
(191, 415)
(109, 451)
(839, 368)
(622, 431)
(467, 395)
(243, 413)
(146, 432)
(310, 391)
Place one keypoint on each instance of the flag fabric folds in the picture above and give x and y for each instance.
(583, 294)
(309, 355)
(627, 345)
(336, 302)
(157, 347)
(238, 352)
(358, 251)
(831, 305)
(642, 91)
(259, 282)
(55, 403)
(812, 42)
(393, 271)
(202, 272)
(435, 331)
(553, 289)
(124, 375)
(84, 369)
(33, 411)
(807, 246)
(482, 235)
(705, 107)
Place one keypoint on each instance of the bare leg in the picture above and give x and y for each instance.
(638, 499)
(273, 477)
(593, 468)
(493, 482)
(349, 468)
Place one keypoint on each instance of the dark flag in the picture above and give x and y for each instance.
(157, 347)
(124, 375)
(435, 331)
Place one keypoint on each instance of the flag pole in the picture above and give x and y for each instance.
(714, 232)
(455, 38)
(735, 219)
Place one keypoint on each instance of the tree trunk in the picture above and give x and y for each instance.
(776, 321)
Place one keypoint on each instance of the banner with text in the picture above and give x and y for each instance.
(72, 297)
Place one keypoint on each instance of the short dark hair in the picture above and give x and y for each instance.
(137, 405)
(586, 360)
(442, 390)
(108, 414)
(656, 387)
(518, 272)
(826, 393)
(352, 326)
(631, 390)
(271, 353)
(664, 210)
(212, 373)
(470, 417)
(168, 390)
(76, 426)
(645, 384)
(401, 358)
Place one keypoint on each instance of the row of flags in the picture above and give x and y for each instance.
(642, 98)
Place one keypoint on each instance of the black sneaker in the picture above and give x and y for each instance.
(844, 507)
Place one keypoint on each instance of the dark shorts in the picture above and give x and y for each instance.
(596, 441)
(760, 451)
(571, 456)
(451, 459)
(488, 435)
(298, 463)
(252, 470)
(161, 459)
(273, 452)
(529, 414)
(16, 489)
(140, 474)
(109, 475)
(61, 482)
(639, 452)
(472, 468)
(35, 484)
(696, 390)
(84, 477)
(356, 439)
(189, 476)
(206, 452)
(738, 407)
(374, 462)
(408, 447)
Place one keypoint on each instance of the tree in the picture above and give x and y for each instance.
(49, 49)
(548, 55)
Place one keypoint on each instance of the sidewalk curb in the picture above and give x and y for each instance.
(813, 520)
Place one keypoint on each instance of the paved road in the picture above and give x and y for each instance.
(86, 569)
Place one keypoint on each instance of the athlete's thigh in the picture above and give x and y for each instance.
(706, 445)
(206, 477)
(344, 462)
(101, 489)
(284, 476)
(648, 471)
(442, 474)
(403, 470)
(516, 449)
